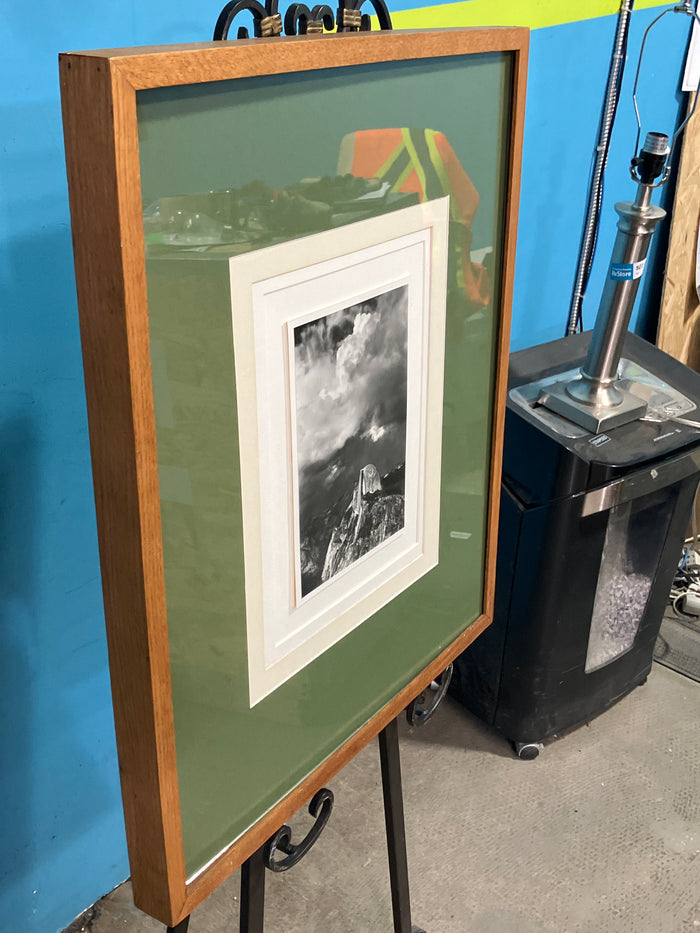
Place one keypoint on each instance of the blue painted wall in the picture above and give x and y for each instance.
(60, 812)
(60, 809)
(566, 83)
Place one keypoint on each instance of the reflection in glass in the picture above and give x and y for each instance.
(380, 170)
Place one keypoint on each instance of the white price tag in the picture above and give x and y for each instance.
(691, 75)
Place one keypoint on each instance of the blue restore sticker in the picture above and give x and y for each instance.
(627, 270)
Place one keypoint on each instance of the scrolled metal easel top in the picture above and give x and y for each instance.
(299, 18)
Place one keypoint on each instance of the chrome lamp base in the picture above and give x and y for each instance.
(595, 418)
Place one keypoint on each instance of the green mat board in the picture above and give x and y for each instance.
(269, 133)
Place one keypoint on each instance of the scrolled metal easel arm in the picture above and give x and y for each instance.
(266, 19)
(299, 19)
(350, 18)
(422, 708)
(382, 13)
(320, 808)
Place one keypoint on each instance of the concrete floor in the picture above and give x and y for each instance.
(600, 833)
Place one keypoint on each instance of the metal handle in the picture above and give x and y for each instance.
(640, 483)
(422, 708)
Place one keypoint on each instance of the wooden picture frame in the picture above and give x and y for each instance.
(100, 94)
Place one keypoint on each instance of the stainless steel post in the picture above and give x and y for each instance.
(593, 399)
(638, 220)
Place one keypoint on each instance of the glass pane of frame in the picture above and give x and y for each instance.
(309, 176)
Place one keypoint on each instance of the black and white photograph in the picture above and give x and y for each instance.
(339, 374)
(349, 423)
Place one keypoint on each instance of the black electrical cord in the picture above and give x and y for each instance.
(685, 582)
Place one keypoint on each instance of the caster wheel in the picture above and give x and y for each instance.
(528, 751)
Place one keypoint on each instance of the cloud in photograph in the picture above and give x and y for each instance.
(350, 377)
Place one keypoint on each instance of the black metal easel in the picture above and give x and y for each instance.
(252, 913)
(395, 829)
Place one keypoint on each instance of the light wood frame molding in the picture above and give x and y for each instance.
(101, 137)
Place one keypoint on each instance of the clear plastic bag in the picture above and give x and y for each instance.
(633, 543)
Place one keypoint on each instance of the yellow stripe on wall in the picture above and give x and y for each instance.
(533, 13)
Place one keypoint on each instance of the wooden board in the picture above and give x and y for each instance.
(679, 319)
(678, 331)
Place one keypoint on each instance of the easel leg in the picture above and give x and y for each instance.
(395, 828)
(253, 894)
(181, 927)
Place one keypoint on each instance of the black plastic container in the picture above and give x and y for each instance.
(590, 534)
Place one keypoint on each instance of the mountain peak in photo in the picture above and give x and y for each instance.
(373, 515)
(368, 482)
